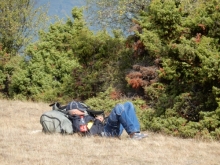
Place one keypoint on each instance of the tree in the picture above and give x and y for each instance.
(185, 38)
(47, 65)
(19, 20)
(69, 61)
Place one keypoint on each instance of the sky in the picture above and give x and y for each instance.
(61, 8)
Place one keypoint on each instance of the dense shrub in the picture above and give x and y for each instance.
(68, 62)
(169, 68)
(184, 38)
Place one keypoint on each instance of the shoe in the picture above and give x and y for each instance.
(138, 136)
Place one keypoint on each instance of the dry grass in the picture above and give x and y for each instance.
(21, 142)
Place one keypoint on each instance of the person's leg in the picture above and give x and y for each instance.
(122, 116)
(128, 118)
(113, 126)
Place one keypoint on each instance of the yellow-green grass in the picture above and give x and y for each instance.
(23, 143)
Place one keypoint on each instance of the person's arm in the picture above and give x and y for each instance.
(100, 117)
(79, 113)
(73, 112)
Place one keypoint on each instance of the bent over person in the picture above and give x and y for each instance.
(122, 116)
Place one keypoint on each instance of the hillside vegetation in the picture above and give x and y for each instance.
(22, 142)
(164, 57)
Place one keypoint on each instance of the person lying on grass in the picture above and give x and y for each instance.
(122, 116)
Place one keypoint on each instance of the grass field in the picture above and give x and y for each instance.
(22, 142)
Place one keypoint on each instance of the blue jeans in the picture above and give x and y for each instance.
(122, 117)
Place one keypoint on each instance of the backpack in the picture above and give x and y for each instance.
(56, 120)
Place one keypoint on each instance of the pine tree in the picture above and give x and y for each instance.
(185, 37)
(19, 20)
(69, 61)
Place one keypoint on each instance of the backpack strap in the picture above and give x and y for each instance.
(79, 105)
(57, 106)
(95, 113)
(46, 129)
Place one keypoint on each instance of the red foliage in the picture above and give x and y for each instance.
(198, 37)
(138, 45)
(142, 76)
(138, 48)
(134, 75)
(202, 26)
(162, 71)
(115, 95)
(135, 82)
(144, 107)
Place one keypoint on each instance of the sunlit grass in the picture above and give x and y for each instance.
(22, 142)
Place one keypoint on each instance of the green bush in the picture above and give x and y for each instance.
(103, 101)
(185, 39)
(68, 62)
